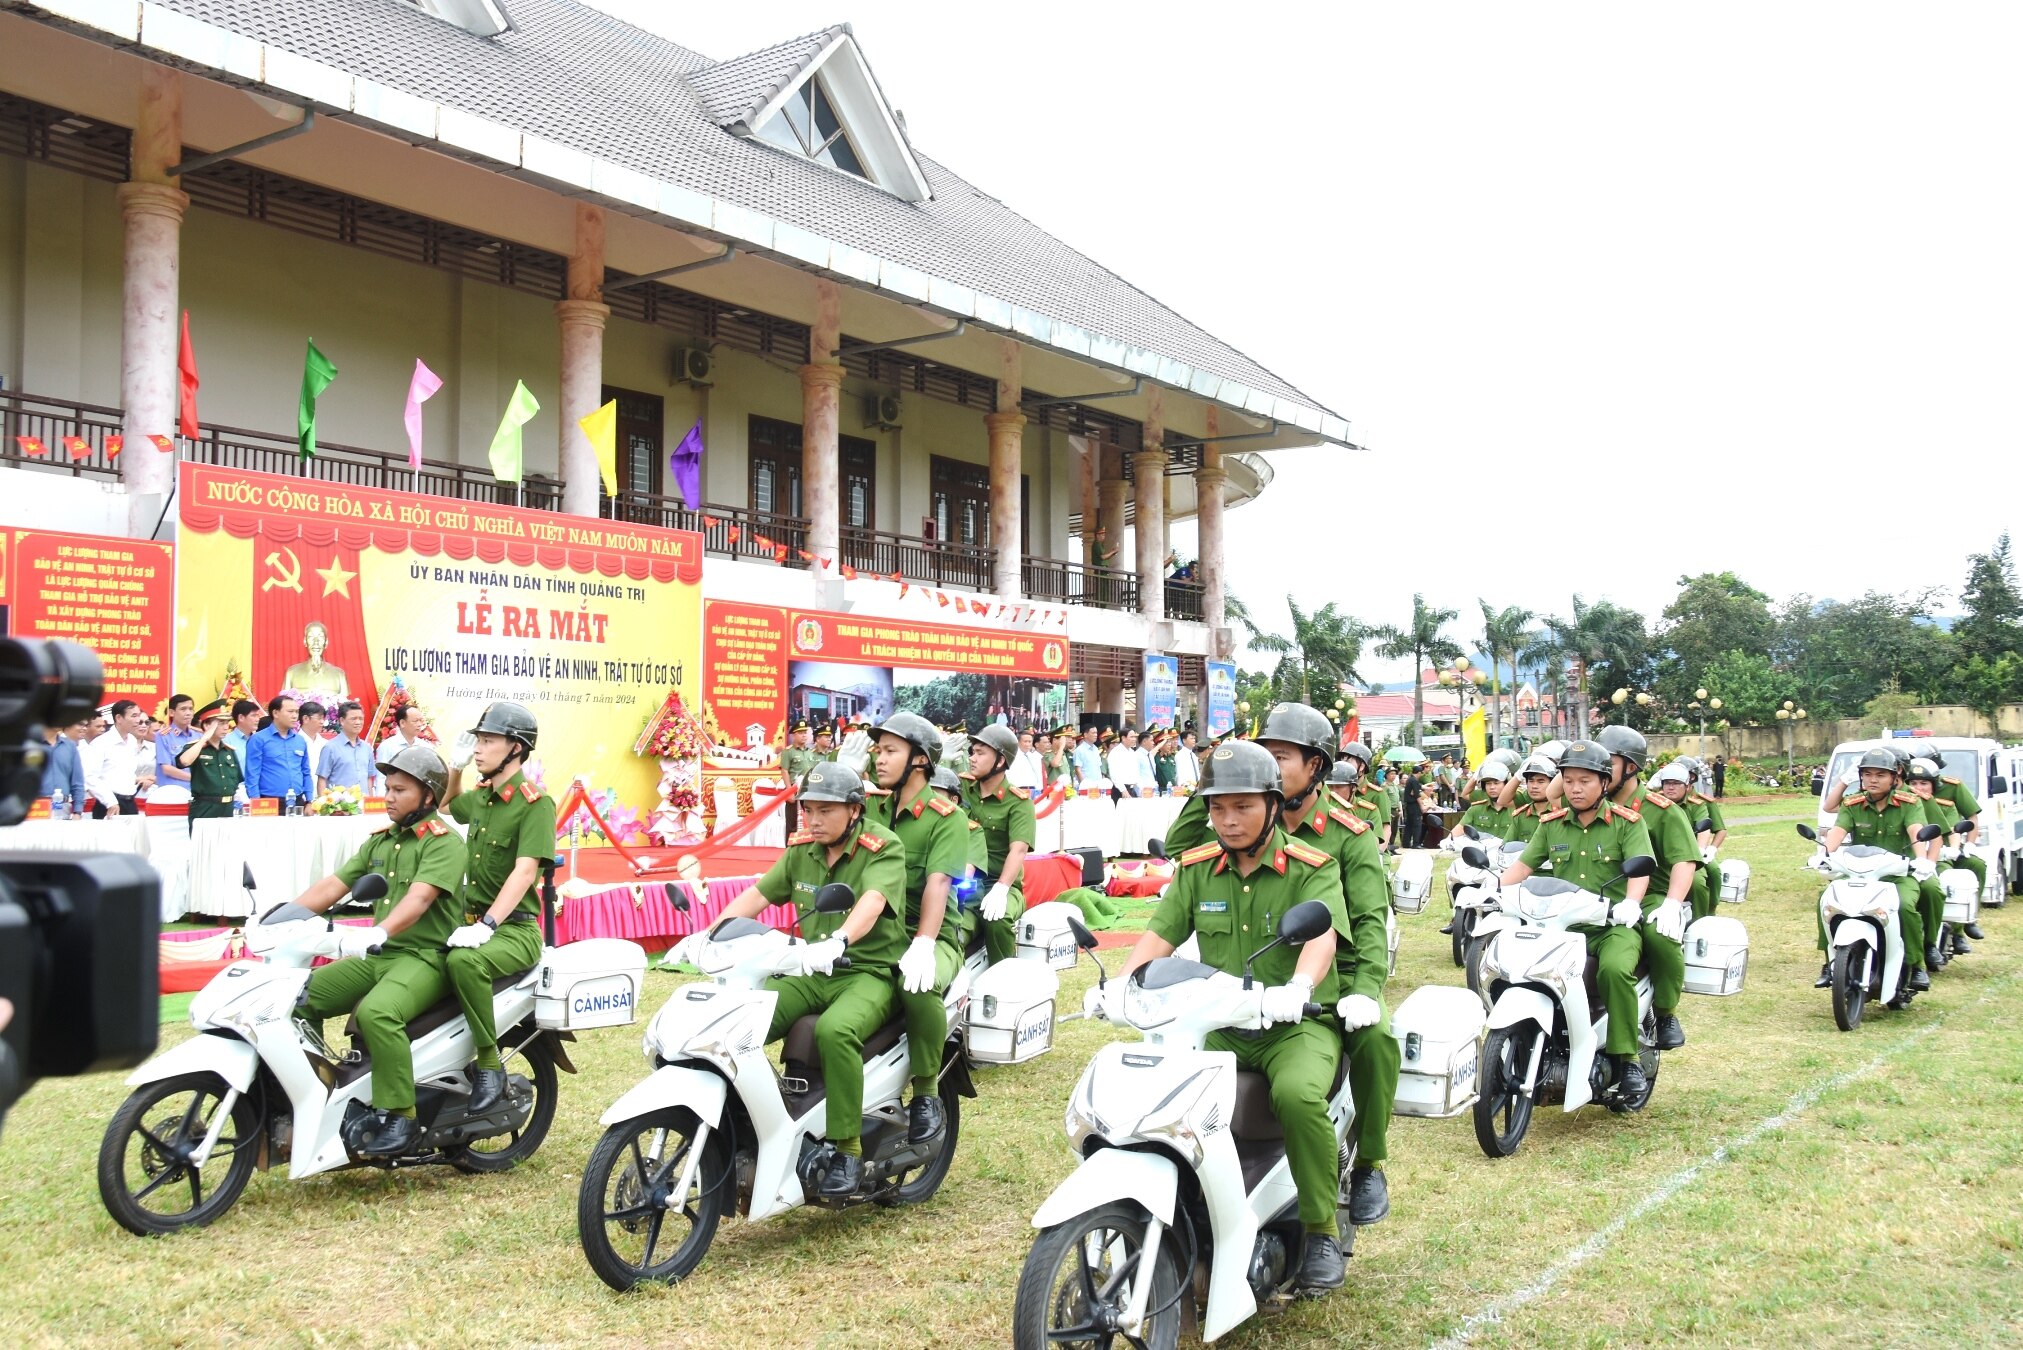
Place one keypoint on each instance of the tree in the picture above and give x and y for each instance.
(1424, 643)
(1504, 632)
(1985, 685)
(1840, 654)
(1602, 641)
(1714, 613)
(1990, 628)
(1749, 687)
(1323, 650)
(1544, 655)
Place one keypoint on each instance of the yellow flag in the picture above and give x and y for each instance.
(1475, 737)
(601, 428)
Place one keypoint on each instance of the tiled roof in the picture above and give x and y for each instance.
(597, 86)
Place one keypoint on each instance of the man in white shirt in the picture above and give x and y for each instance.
(1028, 768)
(312, 731)
(406, 731)
(1186, 768)
(1148, 769)
(111, 762)
(1124, 774)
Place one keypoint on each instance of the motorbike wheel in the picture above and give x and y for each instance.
(626, 1199)
(1078, 1277)
(1471, 961)
(1850, 992)
(1459, 937)
(921, 1184)
(1502, 1111)
(503, 1152)
(144, 1156)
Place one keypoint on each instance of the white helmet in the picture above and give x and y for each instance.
(1674, 772)
(1540, 765)
(1493, 769)
(1551, 750)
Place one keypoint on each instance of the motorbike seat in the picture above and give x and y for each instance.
(440, 1012)
(800, 1043)
(1594, 989)
(975, 942)
(1253, 1120)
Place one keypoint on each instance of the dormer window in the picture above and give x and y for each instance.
(806, 124)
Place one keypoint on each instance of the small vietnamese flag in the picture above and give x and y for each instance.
(31, 446)
(941, 598)
(823, 561)
(162, 443)
(113, 445)
(960, 608)
(779, 553)
(78, 447)
(849, 572)
(805, 555)
(709, 522)
(895, 577)
(733, 534)
(903, 588)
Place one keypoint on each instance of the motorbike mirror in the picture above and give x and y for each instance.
(246, 876)
(1471, 831)
(1807, 832)
(1475, 858)
(1640, 866)
(1929, 833)
(1705, 826)
(370, 887)
(1304, 922)
(1819, 787)
(1083, 937)
(835, 898)
(1156, 847)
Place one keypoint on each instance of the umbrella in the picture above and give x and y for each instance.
(1404, 754)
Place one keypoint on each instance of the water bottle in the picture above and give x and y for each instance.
(291, 803)
(59, 808)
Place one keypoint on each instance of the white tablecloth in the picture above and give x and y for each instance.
(1140, 819)
(120, 834)
(1089, 822)
(286, 854)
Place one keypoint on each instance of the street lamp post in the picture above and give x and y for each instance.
(1787, 715)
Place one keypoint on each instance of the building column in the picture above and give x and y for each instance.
(582, 318)
(1209, 481)
(1148, 472)
(1108, 551)
(151, 210)
(821, 426)
(1007, 449)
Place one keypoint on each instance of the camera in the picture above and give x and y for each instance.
(78, 932)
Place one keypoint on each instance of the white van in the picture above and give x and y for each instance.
(1984, 766)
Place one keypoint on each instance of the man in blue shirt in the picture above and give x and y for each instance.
(1087, 759)
(277, 759)
(172, 781)
(245, 721)
(348, 759)
(63, 771)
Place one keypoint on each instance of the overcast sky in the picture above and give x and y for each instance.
(1704, 283)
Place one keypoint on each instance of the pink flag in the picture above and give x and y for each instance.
(419, 391)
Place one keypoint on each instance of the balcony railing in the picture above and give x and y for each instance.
(1183, 600)
(917, 559)
(1051, 580)
(727, 531)
(49, 421)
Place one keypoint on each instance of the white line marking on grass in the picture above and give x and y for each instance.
(1598, 1242)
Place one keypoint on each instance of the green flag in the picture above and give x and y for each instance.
(317, 373)
(505, 453)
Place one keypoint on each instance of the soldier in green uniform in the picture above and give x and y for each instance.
(1967, 806)
(906, 749)
(1705, 808)
(1231, 894)
(393, 971)
(1667, 911)
(839, 845)
(1921, 780)
(1006, 815)
(795, 761)
(1586, 842)
(509, 831)
(1302, 740)
(1511, 822)
(1534, 794)
(215, 771)
(1354, 788)
(1672, 783)
(1882, 815)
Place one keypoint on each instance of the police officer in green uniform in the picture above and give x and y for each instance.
(509, 831)
(949, 787)
(1671, 783)
(215, 771)
(1967, 807)
(1232, 894)
(839, 844)
(1302, 740)
(1586, 842)
(1668, 902)
(1705, 808)
(795, 761)
(1882, 815)
(905, 750)
(1537, 776)
(1511, 822)
(1921, 780)
(1005, 814)
(1355, 789)
(394, 970)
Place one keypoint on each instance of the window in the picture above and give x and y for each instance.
(960, 492)
(639, 440)
(774, 453)
(806, 124)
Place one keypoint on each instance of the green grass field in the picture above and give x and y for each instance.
(1881, 1204)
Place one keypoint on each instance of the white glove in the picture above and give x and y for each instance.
(1851, 779)
(1627, 913)
(470, 935)
(1924, 869)
(1285, 1002)
(688, 951)
(359, 941)
(1358, 1011)
(1105, 1002)
(1669, 918)
(996, 901)
(817, 958)
(916, 967)
(1707, 853)
(462, 749)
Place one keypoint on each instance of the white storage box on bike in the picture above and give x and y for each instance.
(1439, 1034)
(1044, 935)
(1011, 1012)
(592, 983)
(1412, 883)
(1717, 955)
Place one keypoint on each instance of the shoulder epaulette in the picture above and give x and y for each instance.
(940, 807)
(975, 824)
(1658, 800)
(1201, 853)
(800, 837)
(1552, 815)
(1626, 813)
(1696, 799)
(1902, 798)
(1949, 779)
(1306, 853)
(530, 792)
(871, 841)
(436, 827)
(1855, 799)
(1345, 819)
(1023, 794)
(1520, 810)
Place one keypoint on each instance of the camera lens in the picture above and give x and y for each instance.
(51, 683)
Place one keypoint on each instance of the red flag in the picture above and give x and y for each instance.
(709, 522)
(113, 445)
(162, 443)
(734, 534)
(805, 555)
(823, 561)
(849, 572)
(896, 577)
(186, 381)
(31, 446)
(779, 553)
(78, 447)
(941, 598)
(903, 588)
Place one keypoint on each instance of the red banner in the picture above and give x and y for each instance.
(744, 690)
(113, 595)
(852, 639)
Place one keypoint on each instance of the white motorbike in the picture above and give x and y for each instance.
(1184, 1192)
(716, 1127)
(261, 1083)
(1477, 899)
(1963, 893)
(1547, 1023)
(1859, 907)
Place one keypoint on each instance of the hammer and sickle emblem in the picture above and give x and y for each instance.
(288, 578)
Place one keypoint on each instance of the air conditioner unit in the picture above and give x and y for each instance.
(693, 365)
(881, 411)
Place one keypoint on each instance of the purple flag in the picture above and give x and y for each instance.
(686, 465)
(420, 390)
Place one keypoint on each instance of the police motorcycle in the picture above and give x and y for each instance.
(1546, 1020)
(1184, 1204)
(1474, 892)
(1963, 894)
(261, 1084)
(1859, 908)
(715, 1128)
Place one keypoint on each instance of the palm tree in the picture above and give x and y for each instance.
(1323, 648)
(1600, 634)
(1504, 631)
(1423, 642)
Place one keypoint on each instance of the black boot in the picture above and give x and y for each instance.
(1447, 927)
(1670, 1034)
(487, 1086)
(924, 1118)
(1630, 1080)
(1825, 980)
(1369, 1196)
(1920, 981)
(1960, 947)
(388, 1136)
(1321, 1266)
(1934, 958)
(1973, 930)
(845, 1175)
